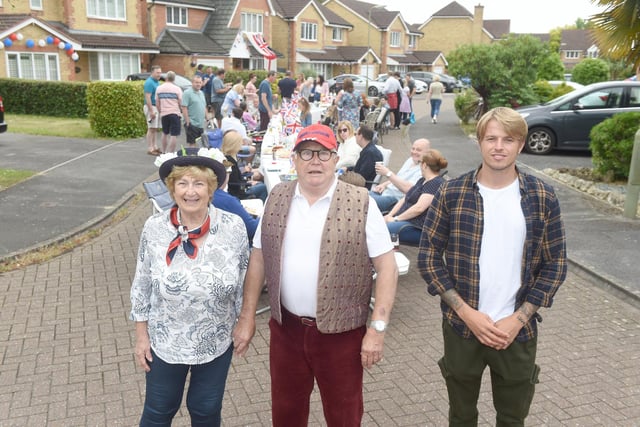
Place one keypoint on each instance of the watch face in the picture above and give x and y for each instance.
(379, 325)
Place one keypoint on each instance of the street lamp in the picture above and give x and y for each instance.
(379, 6)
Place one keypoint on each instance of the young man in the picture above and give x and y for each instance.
(194, 110)
(504, 249)
(319, 305)
(219, 90)
(369, 155)
(265, 98)
(150, 111)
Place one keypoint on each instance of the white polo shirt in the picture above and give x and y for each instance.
(301, 248)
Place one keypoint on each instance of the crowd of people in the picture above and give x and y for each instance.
(491, 246)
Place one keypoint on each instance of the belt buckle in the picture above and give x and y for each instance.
(308, 321)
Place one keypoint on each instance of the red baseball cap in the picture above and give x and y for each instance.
(322, 134)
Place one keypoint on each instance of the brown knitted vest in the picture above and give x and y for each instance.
(345, 270)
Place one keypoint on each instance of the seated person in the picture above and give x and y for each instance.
(227, 202)
(250, 122)
(234, 122)
(239, 186)
(348, 148)
(393, 189)
(407, 216)
(366, 164)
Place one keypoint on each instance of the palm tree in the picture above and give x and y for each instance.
(617, 29)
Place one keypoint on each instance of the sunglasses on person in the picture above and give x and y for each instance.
(343, 130)
(323, 155)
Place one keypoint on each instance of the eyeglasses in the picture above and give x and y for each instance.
(323, 155)
(343, 130)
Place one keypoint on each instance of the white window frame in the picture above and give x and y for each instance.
(413, 41)
(593, 52)
(337, 34)
(33, 4)
(572, 54)
(176, 15)
(308, 31)
(129, 63)
(100, 9)
(49, 60)
(394, 39)
(251, 22)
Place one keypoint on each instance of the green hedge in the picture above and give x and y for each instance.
(612, 145)
(44, 98)
(115, 109)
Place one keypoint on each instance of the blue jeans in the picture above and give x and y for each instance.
(259, 190)
(407, 232)
(385, 203)
(435, 107)
(165, 386)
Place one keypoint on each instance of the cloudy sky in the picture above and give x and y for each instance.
(538, 16)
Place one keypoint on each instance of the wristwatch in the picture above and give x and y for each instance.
(378, 325)
(388, 174)
(395, 219)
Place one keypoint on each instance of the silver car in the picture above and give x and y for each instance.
(372, 88)
(565, 122)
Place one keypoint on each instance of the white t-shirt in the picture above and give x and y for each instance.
(503, 238)
(301, 249)
(410, 171)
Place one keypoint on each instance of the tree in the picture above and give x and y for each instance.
(617, 29)
(551, 68)
(502, 73)
(590, 70)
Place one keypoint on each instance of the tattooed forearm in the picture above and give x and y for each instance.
(453, 299)
(525, 312)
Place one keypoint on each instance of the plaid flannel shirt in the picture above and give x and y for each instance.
(450, 246)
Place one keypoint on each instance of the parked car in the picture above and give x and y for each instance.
(450, 83)
(359, 83)
(3, 125)
(421, 86)
(573, 85)
(183, 82)
(565, 122)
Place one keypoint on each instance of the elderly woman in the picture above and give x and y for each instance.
(187, 292)
(232, 99)
(238, 185)
(349, 102)
(348, 148)
(407, 216)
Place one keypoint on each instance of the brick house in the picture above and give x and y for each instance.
(576, 45)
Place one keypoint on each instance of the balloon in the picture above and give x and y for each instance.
(67, 46)
(75, 56)
(20, 36)
(30, 43)
(50, 40)
(70, 52)
(61, 45)
(42, 43)
(8, 42)
(13, 36)
(56, 41)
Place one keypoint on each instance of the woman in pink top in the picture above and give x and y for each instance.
(251, 93)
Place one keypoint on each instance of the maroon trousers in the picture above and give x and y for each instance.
(299, 353)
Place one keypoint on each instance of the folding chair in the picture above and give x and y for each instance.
(158, 194)
(386, 156)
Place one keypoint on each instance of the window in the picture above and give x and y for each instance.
(33, 4)
(34, 66)
(113, 65)
(309, 31)
(337, 34)
(251, 22)
(605, 98)
(253, 64)
(176, 15)
(107, 9)
(593, 52)
(394, 39)
(413, 41)
(572, 54)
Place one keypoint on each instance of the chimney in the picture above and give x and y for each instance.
(478, 24)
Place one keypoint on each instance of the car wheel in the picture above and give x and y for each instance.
(373, 91)
(540, 141)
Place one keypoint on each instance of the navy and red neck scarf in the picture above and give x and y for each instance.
(185, 237)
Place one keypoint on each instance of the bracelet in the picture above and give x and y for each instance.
(388, 174)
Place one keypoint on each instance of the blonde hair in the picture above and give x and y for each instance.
(349, 126)
(238, 88)
(434, 160)
(231, 143)
(512, 122)
(179, 172)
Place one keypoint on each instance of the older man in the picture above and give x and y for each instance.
(194, 110)
(319, 304)
(393, 189)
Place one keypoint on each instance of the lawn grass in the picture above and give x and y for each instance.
(9, 177)
(50, 126)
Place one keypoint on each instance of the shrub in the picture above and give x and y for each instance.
(115, 109)
(612, 144)
(590, 70)
(45, 98)
(465, 104)
(543, 90)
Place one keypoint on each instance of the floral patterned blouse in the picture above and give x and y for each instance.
(350, 103)
(190, 305)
